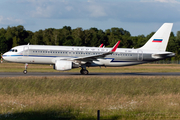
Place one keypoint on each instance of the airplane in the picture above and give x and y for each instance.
(68, 57)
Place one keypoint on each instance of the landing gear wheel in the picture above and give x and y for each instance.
(25, 71)
(26, 66)
(84, 72)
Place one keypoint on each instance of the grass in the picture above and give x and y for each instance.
(80, 97)
(15, 67)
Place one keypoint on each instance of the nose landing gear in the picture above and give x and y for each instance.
(26, 66)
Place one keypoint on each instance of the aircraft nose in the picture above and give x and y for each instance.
(1, 57)
(4, 56)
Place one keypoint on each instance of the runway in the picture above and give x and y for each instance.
(44, 74)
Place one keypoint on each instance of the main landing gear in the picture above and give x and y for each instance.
(83, 71)
(25, 71)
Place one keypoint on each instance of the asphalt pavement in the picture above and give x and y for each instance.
(44, 74)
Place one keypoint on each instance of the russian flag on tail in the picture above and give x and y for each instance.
(157, 40)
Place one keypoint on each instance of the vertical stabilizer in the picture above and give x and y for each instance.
(159, 40)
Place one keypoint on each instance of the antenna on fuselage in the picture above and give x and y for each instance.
(28, 43)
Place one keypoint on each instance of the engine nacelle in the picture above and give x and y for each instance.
(64, 65)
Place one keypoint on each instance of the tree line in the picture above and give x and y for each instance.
(66, 36)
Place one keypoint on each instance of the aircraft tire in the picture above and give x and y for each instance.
(84, 72)
(25, 71)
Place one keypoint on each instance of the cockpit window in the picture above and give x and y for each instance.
(13, 50)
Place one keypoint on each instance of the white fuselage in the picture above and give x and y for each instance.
(44, 54)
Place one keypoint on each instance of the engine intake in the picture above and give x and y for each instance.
(64, 65)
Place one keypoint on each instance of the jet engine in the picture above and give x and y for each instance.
(64, 65)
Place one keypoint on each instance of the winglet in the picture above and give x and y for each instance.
(115, 46)
(101, 45)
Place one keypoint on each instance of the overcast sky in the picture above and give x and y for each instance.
(137, 16)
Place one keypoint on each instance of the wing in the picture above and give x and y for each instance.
(94, 57)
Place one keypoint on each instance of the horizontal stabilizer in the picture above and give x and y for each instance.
(163, 55)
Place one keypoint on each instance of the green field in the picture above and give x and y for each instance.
(79, 97)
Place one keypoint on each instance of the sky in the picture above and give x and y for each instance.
(139, 17)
